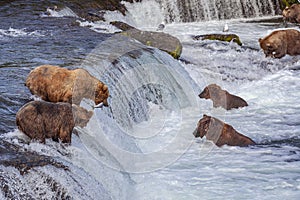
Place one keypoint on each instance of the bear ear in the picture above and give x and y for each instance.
(260, 39)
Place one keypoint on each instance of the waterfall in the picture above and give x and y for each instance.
(138, 74)
(151, 94)
(199, 10)
(202, 10)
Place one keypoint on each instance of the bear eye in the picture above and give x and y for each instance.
(270, 47)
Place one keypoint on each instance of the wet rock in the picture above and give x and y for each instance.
(14, 156)
(287, 3)
(160, 40)
(220, 37)
(93, 10)
(220, 133)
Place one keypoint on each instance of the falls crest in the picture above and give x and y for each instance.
(146, 86)
(169, 11)
(201, 10)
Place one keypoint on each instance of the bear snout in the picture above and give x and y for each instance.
(204, 94)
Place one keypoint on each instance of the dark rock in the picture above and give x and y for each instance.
(14, 156)
(160, 40)
(287, 3)
(92, 10)
(122, 26)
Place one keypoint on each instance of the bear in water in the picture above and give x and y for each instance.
(281, 42)
(220, 133)
(292, 13)
(40, 120)
(222, 98)
(56, 84)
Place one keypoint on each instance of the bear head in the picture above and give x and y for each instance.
(274, 45)
(212, 91)
(81, 116)
(202, 126)
(205, 93)
(101, 94)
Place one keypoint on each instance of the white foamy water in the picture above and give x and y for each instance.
(269, 170)
(122, 149)
(54, 12)
(13, 32)
(99, 26)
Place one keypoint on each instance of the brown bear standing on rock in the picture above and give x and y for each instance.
(220, 133)
(222, 98)
(281, 42)
(292, 13)
(56, 84)
(40, 120)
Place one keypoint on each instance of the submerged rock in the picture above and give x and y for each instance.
(287, 3)
(220, 133)
(12, 155)
(220, 37)
(160, 40)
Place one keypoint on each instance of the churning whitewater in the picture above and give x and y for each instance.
(142, 145)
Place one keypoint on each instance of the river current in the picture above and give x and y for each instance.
(142, 146)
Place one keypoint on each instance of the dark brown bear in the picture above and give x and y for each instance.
(222, 98)
(292, 13)
(220, 133)
(40, 120)
(56, 84)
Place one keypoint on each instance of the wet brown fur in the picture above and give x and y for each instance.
(40, 120)
(281, 42)
(56, 84)
(222, 98)
(292, 13)
(220, 133)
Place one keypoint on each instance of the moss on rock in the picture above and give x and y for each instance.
(220, 37)
(160, 40)
(287, 3)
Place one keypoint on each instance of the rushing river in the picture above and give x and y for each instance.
(142, 146)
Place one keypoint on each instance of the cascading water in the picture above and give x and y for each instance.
(149, 91)
(154, 110)
(199, 10)
(146, 86)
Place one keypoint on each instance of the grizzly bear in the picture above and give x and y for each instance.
(56, 84)
(292, 13)
(222, 98)
(40, 120)
(281, 42)
(220, 133)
